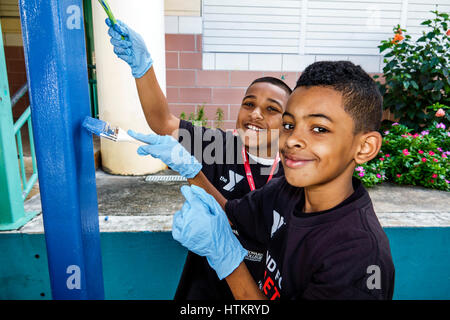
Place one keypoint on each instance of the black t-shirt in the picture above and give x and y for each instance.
(342, 253)
(220, 153)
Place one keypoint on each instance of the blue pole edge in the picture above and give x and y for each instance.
(55, 55)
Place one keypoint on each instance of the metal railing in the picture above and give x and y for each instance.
(27, 184)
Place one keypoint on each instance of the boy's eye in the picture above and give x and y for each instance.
(288, 126)
(320, 130)
(272, 109)
(248, 104)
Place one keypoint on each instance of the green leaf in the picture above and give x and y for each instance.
(414, 84)
(421, 39)
(429, 86)
(436, 95)
(438, 85)
(406, 84)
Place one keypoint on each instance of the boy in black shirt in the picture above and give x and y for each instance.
(232, 164)
(323, 238)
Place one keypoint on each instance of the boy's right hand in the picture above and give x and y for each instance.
(203, 228)
(131, 48)
(170, 151)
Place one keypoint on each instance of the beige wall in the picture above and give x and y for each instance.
(182, 7)
(11, 32)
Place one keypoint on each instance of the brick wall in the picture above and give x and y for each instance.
(189, 87)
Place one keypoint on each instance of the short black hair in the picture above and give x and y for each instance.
(275, 81)
(362, 98)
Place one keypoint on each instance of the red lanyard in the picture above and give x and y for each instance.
(248, 171)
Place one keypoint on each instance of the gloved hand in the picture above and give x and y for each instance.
(202, 227)
(170, 151)
(131, 49)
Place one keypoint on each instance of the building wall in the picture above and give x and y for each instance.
(182, 7)
(215, 80)
(201, 73)
(154, 262)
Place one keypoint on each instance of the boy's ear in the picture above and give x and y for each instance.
(369, 146)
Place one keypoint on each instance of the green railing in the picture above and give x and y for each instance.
(12, 193)
(27, 185)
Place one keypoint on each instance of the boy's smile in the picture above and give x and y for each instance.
(317, 142)
(259, 115)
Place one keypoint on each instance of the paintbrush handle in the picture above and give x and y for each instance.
(123, 136)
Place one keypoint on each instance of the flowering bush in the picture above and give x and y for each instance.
(416, 73)
(411, 158)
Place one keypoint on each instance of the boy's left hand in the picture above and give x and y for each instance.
(202, 227)
(170, 151)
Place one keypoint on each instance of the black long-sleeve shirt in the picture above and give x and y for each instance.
(220, 153)
(341, 253)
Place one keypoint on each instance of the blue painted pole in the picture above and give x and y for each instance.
(55, 54)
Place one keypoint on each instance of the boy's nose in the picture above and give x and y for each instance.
(295, 141)
(256, 114)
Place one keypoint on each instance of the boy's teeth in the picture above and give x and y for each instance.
(253, 128)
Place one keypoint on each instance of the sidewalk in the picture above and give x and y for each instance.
(131, 204)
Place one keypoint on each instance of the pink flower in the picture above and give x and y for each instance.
(432, 181)
(360, 168)
(425, 132)
(424, 159)
(395, 124)
(405, 152)
(404, 136)
(431, 153)
(444, 156)
(381, 159)
(416, 135)
(420, 152)
(434, 175)
(439, 149)
(398, 175)
(440, 125)
(361, 174)
(440, 113)
(435, 160)
(387, 155)
(378, 175)
(386, 132)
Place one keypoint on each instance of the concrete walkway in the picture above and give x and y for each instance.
(132, 204)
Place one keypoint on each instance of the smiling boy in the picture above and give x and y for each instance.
(233, 163)
(323, 238)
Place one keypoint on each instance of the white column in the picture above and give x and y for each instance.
(118, 99)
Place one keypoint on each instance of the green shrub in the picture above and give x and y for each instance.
(198, 118)
(411, 159)
(417, 73)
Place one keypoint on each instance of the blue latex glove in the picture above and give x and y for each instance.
(202, 227)
(170, 151)
(131, 49)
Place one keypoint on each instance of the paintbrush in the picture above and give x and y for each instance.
(108, 11)
(105, 130)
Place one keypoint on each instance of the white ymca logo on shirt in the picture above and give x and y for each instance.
(234, 179)
(278, 222)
